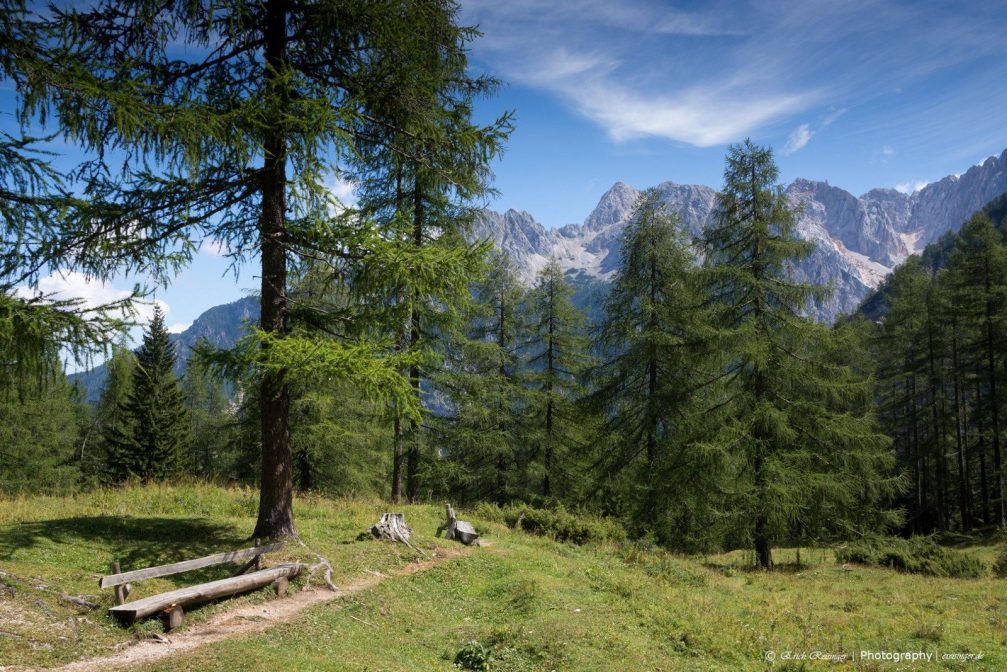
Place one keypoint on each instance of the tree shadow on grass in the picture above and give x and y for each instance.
(135, 542)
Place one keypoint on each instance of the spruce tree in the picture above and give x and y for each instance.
(111, 419)
(811, 454)
(39, 440)
(155, 441)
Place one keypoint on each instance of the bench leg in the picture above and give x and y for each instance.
(172, 617)
(280, 586)
(120, 592)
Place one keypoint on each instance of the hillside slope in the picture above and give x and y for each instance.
(524, 603)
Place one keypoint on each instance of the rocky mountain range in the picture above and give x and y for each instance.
(858, 240)
(220, 326)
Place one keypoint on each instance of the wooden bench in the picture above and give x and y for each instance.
(170, 605)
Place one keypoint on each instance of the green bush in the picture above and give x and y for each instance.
(917, 555)
(559, 524)
(1000, 564)
(473, 656)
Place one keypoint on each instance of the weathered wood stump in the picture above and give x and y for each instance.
(458, 530)
(392, 527)
(172, 617)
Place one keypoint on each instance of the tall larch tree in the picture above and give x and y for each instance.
(811, 453)
(652, 341)
(227, 117)
(38, 331)
(558, 357)
(980, 270)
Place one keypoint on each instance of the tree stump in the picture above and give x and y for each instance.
(458, 530)
(392, 526)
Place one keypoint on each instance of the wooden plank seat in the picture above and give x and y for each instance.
(204, 592)
(169, 605)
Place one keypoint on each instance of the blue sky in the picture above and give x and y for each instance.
(862, 94)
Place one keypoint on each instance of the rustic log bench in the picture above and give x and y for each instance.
(170, 605)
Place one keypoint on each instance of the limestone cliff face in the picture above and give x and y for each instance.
(858, 240)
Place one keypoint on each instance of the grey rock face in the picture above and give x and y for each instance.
(857, 240)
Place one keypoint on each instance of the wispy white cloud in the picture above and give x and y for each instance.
(92, 293)
(887, 151)
(178, 327)
(344, 191)
(801, 135)
(726, 70)
(911, 186)
(798, 139)
(214, 248)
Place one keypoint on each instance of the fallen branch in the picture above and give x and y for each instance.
(361, 620)
(79, 601)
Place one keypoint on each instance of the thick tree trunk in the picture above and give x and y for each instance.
(413, 458)
(276, 515)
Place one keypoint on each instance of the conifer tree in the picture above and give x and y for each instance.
(155, 441)
(232, 139)
(902, 372)
(557, 360)
(980, 271)
(482, 378)
(654, 336)
(39, 440)
(812, 456)
(38, 331)
(110, 415)
(207, 404)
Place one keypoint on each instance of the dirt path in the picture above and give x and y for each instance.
(249, 619)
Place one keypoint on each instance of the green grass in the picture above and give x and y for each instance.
(522, 603)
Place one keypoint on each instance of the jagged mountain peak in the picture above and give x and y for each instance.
(613, 207)
(858, 240)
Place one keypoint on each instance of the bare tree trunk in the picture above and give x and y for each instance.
(413, 458)
(964, 504)
(276, 514)
(983, 477)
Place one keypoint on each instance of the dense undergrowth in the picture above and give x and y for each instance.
(917, 555)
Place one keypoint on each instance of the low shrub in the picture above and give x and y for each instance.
(1000, 564)
(917, 555)
(579, 528)
(473, 656)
